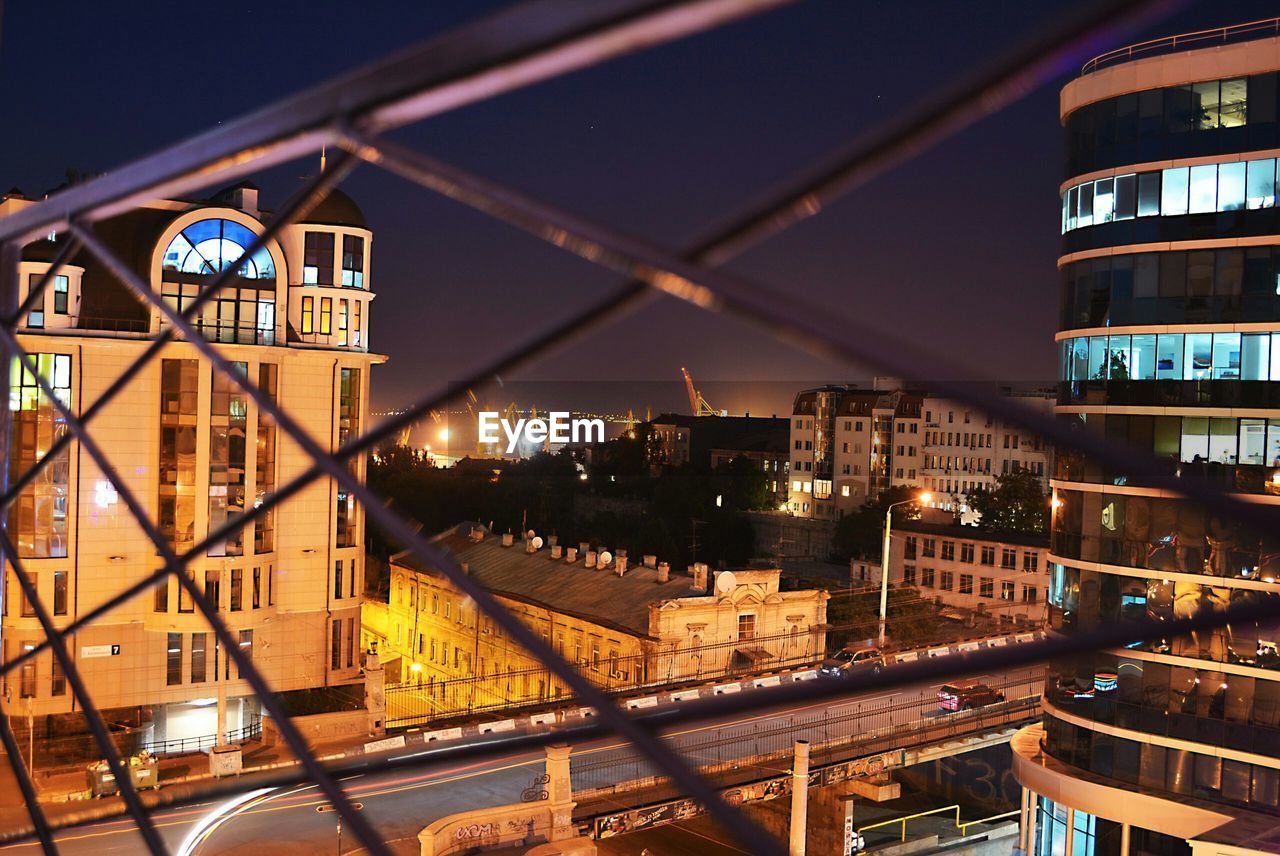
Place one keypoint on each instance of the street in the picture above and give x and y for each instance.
(400, 803)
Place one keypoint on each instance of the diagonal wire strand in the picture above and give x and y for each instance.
(39, 821)
(239, 521)
(295, 207)
(711, 709)
(400, 530)
(799, 198)
(101, 736)
(811, 327)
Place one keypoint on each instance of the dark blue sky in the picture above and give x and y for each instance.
(956, 249)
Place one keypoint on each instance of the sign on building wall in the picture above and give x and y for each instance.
(90, 651)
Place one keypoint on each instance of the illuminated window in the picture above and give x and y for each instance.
(348, 425)
(353, 261)
(211, 245)
(317, 258)
(228, 430)
(39, 515)
(199, 673)
(173, 660)
(264, 539)
(326, 316)
(308, 314)
(61, 294)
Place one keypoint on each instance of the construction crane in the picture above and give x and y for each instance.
(697, 403)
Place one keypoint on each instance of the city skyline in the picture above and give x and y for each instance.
(587, 140)
(1030, 538)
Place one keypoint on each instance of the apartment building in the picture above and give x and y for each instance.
(849, 445)
(1001, 574)
(196, 451)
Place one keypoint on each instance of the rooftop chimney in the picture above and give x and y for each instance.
(699, 570)
(245, 198)
(590, 558)
(571, 555)
(621, 565)
(477, 533)
(651, 561)
(664, 571)
(507, 539)
(553, 540)
(556, 549)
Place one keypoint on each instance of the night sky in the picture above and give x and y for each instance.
(957, 249)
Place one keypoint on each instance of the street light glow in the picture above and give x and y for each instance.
(444, 435)
(926, 496)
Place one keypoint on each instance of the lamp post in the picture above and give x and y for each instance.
(884, 560)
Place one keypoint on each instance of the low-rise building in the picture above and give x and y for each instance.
(706, 440)
(623, 624)
(970, 570)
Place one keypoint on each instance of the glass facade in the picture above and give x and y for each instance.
(1222, 285)
(264, 536)
(1193, 377)
(348, 426)
(179, 405)
(1229, 186)
(242, 312)
(228, 430)
(38, 518)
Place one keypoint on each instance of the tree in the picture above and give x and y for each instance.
(1016, 503)
(859, 535)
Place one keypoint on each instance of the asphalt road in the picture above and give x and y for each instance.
(286, 821)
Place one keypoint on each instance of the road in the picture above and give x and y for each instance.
(400, 803)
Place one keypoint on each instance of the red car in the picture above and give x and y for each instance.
(966, 695)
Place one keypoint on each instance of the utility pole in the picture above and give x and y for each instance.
(799, 798)
(693, 545)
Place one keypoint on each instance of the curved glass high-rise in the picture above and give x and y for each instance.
(1169, 341)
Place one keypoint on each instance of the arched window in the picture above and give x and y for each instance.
(244, 311)
(208, 246)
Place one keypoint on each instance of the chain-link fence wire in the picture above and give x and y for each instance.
(518, 46)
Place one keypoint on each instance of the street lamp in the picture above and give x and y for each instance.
(925, 496)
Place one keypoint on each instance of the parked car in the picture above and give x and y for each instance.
(966, 695)
(851, 661)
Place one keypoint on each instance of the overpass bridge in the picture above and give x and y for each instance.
(475, 806)
(751, 760)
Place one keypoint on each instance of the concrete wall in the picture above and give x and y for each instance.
(320, 728)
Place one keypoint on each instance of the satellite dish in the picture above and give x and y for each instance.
(605, 558)
(725, 582)
(530, 534)
(537, 543)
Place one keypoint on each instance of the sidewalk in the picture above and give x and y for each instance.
(65, 792)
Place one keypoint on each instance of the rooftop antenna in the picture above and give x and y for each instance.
(322, 152)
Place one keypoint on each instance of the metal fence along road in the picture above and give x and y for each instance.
(516, 47)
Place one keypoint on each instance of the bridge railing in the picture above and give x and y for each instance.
(745, 752)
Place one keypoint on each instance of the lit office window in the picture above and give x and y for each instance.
(38, 517)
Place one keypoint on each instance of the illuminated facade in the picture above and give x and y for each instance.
(1170, 300)
(849, 445)
(197, 452)
(624, 624)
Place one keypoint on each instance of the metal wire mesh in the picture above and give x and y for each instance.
(517, 47)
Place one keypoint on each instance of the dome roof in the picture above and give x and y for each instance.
(337, 209)
(42, 250)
